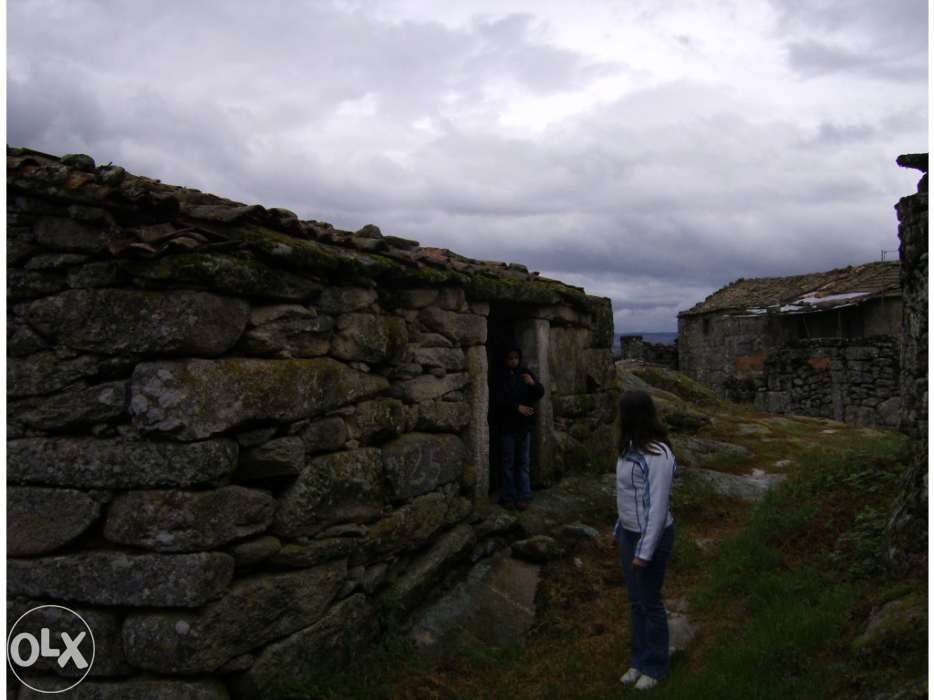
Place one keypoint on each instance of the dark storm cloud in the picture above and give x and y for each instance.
(654, 199)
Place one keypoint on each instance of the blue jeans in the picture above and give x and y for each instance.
(514, 453)
(647, 611)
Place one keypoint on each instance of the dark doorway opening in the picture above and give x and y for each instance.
(502, 335)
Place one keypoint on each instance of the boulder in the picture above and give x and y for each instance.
(684, 421)
(199, 398)
(418, 463)
(109, 659)
(335, 488)
(82, 405)
(301, 556)
(188, 521)
(493, 606)
(339, 300)
(69, 235)
(417, 298)
(378, 420)
(450, 359)
(421, 575)
(443, 416)
(580, 532)
(40, 520)
(496, 524)
(346, 629)
(288, 331)
(114, 321)
(118, 578)
(696, 452)
(898, 623)
(23, 340)
(433, 340)
(750, 487)
(411, 526)
(283, 456)
(681, 632)
(254, 551)
(48, 372)
(538, 550)
(370, 338)
(118, 464)
(464, 329)
(225, 273)
(324, 435)
(21, 284)
(428, 387)
(253, 612)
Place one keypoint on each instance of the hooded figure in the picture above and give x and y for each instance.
(514, 391)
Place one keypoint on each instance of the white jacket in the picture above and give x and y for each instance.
(643, 496)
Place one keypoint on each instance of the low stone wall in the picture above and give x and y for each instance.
(851, 380)
(236, 440)
(634, 347)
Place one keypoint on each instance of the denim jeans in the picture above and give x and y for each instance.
(647, 612)
(514, 453)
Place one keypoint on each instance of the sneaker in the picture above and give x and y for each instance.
(631, 676)
(508, 505)
(645, 683)
(522, 505)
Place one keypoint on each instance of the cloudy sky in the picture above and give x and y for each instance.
(650, 152)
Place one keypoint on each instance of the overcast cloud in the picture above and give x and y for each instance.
(649, 153)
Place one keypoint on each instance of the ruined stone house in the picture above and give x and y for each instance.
(235, 437)
(823, 344)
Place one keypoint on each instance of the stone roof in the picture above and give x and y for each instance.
(147, 220)
(811, 293)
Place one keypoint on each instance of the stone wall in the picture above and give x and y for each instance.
(633, 347)
(713, 348)
(734, 353)
(852, 380)
(907, 535)
(237, 439)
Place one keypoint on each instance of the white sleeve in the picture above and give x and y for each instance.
(657, 495)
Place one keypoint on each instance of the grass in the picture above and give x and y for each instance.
(778, 601)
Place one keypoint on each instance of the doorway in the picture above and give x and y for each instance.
(509, 326)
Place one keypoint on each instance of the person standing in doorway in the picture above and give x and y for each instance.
(644, 532)
(515, 391)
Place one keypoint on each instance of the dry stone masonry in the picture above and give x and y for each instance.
(907, 544)
(851, 380)
(236, 438)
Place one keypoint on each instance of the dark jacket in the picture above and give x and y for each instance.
(509, 391)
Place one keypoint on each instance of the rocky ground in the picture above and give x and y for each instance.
(545, 614)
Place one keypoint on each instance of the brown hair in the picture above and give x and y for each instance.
(639, 423)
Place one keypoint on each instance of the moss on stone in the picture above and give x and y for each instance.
(227, 273)
(678, 384)
(900, 624)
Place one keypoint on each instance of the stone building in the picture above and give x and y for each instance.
(819, 344)
(236, 438)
